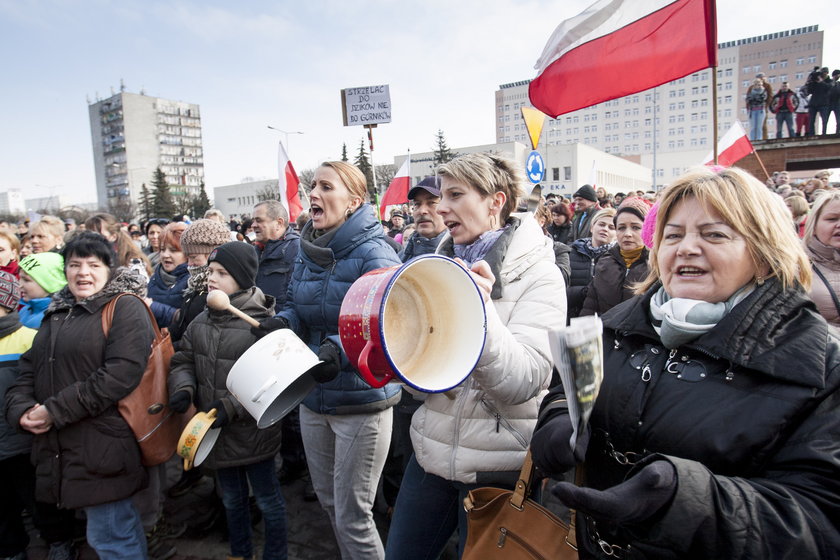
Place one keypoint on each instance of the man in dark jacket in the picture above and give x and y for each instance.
(586, 205)
(834, 100)
(429, 224)
(784, 104)
(818, 105)
(277, 246)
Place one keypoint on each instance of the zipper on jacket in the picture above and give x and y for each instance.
(460, 402)
(326, 285)
(503, 422)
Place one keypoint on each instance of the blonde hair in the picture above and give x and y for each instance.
(49, 225)
(351, 176)
(798, 206)
(746, 206)
(605, 213)
(816, 210)
(13, 240)
(488, 174)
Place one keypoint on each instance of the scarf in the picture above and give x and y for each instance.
(631, 256)
(476, 250)
(592, 251)
(681, 320)
(198, 279)
(166, 278)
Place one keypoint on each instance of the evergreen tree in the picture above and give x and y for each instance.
(442, 153)
(146, 203)
(344, 151)
(201, 204)
(363, 163)
(163, 205)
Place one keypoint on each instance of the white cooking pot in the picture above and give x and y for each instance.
(270, 378)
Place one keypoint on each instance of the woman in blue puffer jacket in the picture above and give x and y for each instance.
(346, 424)
(169, 282)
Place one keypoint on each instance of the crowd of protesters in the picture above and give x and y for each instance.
(718, 289)
(804, 109)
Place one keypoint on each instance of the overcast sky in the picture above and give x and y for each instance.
(257, 63)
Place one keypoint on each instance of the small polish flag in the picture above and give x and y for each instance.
(289, 183)
(733, 146)
(397, 192)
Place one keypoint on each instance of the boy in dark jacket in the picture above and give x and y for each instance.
(243, 453)
(16, 472)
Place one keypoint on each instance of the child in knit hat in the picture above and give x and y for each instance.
(41, 275)
(199, 370)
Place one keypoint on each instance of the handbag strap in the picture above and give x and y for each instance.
(111, 306)
(828, 286)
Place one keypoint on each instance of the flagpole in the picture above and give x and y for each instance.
(369, 128)
(714, 116)
(761, 163)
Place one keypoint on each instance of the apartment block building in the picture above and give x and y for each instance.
(670, 128)
(133, 134)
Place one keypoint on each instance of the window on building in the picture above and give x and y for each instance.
(783, 64)
(555, 173)
(567, 173)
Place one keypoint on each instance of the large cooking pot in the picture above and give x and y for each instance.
(422, 323)
(270, 378)
(198, 438)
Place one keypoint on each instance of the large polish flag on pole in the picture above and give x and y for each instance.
(733, 146)
(397, 192)
(620, 47)
(289, 184)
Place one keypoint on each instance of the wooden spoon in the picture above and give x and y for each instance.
(220, 301)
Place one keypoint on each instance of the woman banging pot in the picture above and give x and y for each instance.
(85, 454)
(715, 431)
(479, 437)
(345, 424)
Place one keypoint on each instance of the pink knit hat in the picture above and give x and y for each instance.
(650, 226)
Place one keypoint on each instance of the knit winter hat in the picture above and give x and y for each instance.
(9, 291)
(240, 260)
(635, 205)
(587, 192)
(202, 236)
(47, 269)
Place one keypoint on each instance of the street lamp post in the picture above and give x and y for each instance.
(286, 134)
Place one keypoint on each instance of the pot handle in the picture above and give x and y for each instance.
(364, 369)
(263, 389)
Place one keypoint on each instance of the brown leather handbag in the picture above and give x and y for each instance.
(507, 525)
(146, 410)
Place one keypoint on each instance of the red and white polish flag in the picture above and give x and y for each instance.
(397, 192)
(289, 184)
(620, 47)
(733, 146)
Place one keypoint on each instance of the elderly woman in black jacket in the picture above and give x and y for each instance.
(715, 431)
(85, 454)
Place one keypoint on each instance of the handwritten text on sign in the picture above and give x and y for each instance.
(366, 105)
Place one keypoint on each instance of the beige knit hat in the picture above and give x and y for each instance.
(202, 236)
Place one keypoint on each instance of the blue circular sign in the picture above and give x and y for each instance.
(535, 167)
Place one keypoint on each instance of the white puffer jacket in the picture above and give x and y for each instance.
(486, 428)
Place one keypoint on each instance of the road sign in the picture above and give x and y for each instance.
(535, 167)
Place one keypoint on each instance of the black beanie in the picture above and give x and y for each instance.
(587, 192)
(240, 260)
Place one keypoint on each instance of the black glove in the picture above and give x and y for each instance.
(269, 325)
(330, 355)
(638, 498)
(222, 418)
(180, 401)
(550, 447)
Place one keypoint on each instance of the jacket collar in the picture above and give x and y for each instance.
(770, 331)
(9, 323)
(360, 227)
(123, 281)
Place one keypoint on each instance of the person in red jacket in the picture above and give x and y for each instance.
(783, 105)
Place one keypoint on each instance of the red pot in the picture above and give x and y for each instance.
(422, 323)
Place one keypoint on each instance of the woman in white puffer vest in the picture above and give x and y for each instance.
(478, 436)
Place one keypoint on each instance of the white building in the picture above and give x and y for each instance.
(237, 201)
(133, 134)
(669, 128)
(46, 204)
(567, 166)
(12, 203)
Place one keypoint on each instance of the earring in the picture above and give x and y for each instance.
(349, 212)
(759, 279)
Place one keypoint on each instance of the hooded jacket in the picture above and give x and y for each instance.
(89, 456)
(15, 339)
(32, 312)
(277, 258)
(481, 435)
(210, 346)
(324, 270)
(613, 281)
(748, 414)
